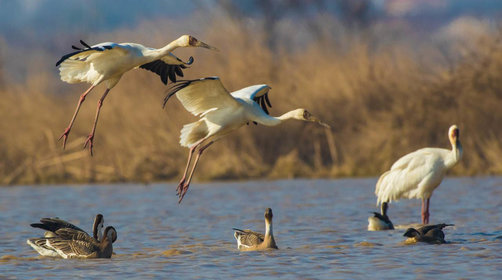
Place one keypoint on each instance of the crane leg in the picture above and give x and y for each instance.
(187, 184)
(183, 179)
(425, 211)
(67, 130)
(91, 135)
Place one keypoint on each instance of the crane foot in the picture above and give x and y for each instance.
(64, 136)
(89, 140)
(185, 189)
(180, 186)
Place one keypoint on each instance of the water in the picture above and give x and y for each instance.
(320, 228)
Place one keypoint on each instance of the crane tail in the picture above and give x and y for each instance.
(193, 132)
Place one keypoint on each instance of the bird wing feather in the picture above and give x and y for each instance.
(248, 237)
(167, 67)
(72, 243)
(72, 248)
(72, 234)
(84, 54)
(201, 95)
(54, 224)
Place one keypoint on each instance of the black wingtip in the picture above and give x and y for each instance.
(171, 74)
(76, 48)
(85, 44)
(267, 100)
(177, 87)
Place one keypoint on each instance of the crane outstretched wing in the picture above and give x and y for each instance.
(167, 67)
(202, 95)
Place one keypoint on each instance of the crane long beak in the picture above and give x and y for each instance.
(204, 45)
(316, 120)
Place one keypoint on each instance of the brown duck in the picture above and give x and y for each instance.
(248, 240)
(71, 243)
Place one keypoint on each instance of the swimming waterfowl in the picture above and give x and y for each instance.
(248, 240)
(51, 225)
(432, 234)
(380, 221)
(71, 243)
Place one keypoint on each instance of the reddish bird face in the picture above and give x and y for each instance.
(192, 41)
(454, 132)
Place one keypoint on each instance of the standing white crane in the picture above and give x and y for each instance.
(107, 62)
(222, 112)
(418, 174)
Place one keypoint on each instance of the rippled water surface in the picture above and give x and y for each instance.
(320, 228)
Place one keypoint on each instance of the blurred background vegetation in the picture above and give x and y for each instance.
(390, 76)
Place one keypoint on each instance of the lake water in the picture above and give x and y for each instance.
(320, 228)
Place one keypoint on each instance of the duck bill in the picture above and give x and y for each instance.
(204, 45)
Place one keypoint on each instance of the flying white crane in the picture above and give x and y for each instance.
(418, 174)
(107, 62)
(220, 113)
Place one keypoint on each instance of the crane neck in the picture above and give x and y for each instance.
(455, 155)
(164, 51)
(273, 121)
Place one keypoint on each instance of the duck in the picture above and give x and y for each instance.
(380, 221)
(248, 240)
(51, 225)
(432, 234)
(71, 243)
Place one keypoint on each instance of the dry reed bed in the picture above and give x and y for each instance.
(381, 104)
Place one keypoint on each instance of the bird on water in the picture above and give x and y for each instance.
(418, 174)
(432, 234)
(380, 221)
(52, 225)
(248, 240)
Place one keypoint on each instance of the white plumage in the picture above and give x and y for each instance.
(418, 174)
(220, 113)
(107, 62)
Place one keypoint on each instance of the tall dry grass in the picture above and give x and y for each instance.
(381, 102)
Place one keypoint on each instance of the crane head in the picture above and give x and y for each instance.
(454, 132)
(190, 41)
